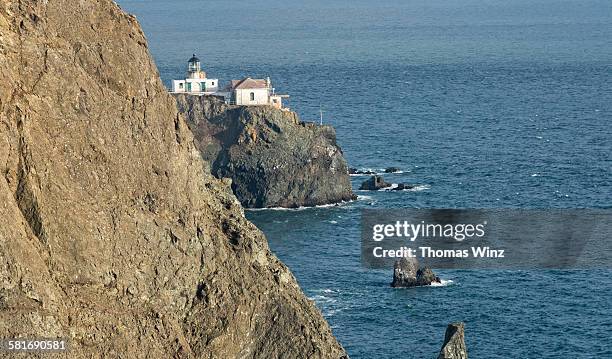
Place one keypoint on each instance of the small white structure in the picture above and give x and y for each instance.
(196, 81)
(250, 91)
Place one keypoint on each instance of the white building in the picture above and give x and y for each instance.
(250, 91)
(196, 81)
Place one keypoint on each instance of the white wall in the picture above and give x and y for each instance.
(243, 96)
(276, 101)
(178, 85)
(211, 85)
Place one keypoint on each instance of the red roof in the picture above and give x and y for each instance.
(249, 83)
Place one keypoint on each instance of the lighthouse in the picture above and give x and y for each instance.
(194, 68)
(195, 82)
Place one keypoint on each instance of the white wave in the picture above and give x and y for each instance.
(365, 170)
(333, 222)
(325, 290)
(301, 208)
(322, 299)
(413, 189)
(535, 175)
(364, 198)
(419, 188)
(393, 186)
(331, 312)
(375, 171)
(443, 283)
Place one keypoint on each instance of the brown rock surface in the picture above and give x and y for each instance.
(112, 234)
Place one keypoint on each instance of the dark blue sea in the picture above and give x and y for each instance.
(482, 104)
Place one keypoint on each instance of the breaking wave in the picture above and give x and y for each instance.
(375, 171)
(443, 283)
(413, 189)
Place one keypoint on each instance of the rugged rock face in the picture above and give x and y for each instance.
(454, 342)
(273, 159)
(112, 234)
(406, 273)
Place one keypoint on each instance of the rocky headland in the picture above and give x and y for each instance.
(272, 158)
(113, 234)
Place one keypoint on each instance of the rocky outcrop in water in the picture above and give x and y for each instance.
(273, 159)
(113, 234)
(392, 170)
(374, 183)
(355, 171)
(454, 342)
(406, 273)
(403, 187)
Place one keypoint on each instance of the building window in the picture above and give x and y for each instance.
(203, 86)
(181, 85)
(213, 83)
(252, 96)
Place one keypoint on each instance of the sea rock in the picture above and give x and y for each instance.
(402, 187)
(406, 273)
(113, 233)
(392, 170)
(273, 158)
(425, 276)
(374, 183)
(454, 342)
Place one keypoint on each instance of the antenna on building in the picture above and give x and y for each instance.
(321, 113)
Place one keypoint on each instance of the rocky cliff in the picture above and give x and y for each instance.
(273, 158)
(112, 234)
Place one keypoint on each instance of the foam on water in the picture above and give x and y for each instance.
(376, 172)
(413, 189)
(301, 208)
(443, 283)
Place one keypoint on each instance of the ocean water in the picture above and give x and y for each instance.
(483, 104)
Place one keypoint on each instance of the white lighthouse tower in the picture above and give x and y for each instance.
(196, 82)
